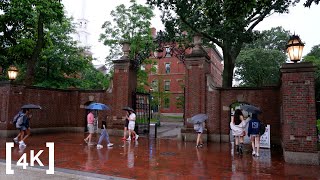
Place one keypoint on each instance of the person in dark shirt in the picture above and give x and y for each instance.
(253, 133)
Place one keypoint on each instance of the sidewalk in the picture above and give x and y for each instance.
(59, 174)
(153, 159)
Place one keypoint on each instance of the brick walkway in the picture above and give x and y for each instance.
(161, 159)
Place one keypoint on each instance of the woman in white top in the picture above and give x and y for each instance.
(238, 125)
(132, 120)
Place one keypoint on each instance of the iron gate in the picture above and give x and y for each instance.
(141, 104)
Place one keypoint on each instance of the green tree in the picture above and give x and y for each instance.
(259, 62)
(309, 2)
(130, 24)
(23, 24)
(314, 57)
(228, 24)
(63, 64)
(259, 67)
(274, 39)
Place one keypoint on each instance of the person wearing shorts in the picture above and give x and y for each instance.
(131, 125)
(199, 131)
(125, 129)
(90, 120)
(253, 133)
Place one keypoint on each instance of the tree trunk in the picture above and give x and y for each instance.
(228, 68)
(31, 63)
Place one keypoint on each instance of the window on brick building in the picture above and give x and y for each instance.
(167, 85)
(167, 65)
(166, 102)
(154, 85)
(168, 52)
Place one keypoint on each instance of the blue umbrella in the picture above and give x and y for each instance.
(199, 118)
(98, 106)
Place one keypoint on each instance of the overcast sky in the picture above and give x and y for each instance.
(301, 21)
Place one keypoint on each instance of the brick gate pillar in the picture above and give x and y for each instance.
(197, 66)
(298, 118)
(124, 83)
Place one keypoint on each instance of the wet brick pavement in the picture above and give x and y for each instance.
(161, 159)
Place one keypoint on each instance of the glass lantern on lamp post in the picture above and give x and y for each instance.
(294, 48)
(12, 73)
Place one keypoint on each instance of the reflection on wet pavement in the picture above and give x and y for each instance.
(162, 159)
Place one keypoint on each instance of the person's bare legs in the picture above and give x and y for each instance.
(88, 138)
(257, 143)
(198, 139)
(21, 135)
(125, 130)
(253, 145)
(27, 134)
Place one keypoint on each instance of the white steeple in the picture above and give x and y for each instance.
(82, 24)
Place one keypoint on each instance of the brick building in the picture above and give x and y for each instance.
(168, 81)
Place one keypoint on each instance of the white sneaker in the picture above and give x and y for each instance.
(99, 146)
(253, 153)
(129, 138)
(137, 136)
(15, 140)
(110, 144)
(22, 143)
(257, 154)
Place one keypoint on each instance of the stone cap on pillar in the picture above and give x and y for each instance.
(197, 49)
(297, 67)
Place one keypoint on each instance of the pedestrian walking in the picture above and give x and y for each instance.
(15, 119)
(24, 127)
(198, 127)
(254, 134)
(104, 135)
(90, 120)
(237, 125)
(131, 125)
(125, 129)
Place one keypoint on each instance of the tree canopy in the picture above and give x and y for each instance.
(57, 62)
(314, 57)
(130, 24)
(228, 24)
(259, 62)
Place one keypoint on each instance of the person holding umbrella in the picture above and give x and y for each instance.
(25, 127)
(90, 120)
(198, 125)
(237, 125)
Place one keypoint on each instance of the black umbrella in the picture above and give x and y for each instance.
(199, 118)
(127, 108)
(30, 106)
(251, 109)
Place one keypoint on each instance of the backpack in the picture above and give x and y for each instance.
(15, 118)
(262, 129)
(19, 121)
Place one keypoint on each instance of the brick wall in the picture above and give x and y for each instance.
(266, 98)
(60, 108)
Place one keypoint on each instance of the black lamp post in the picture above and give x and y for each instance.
(12, 73)
(294, 48)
